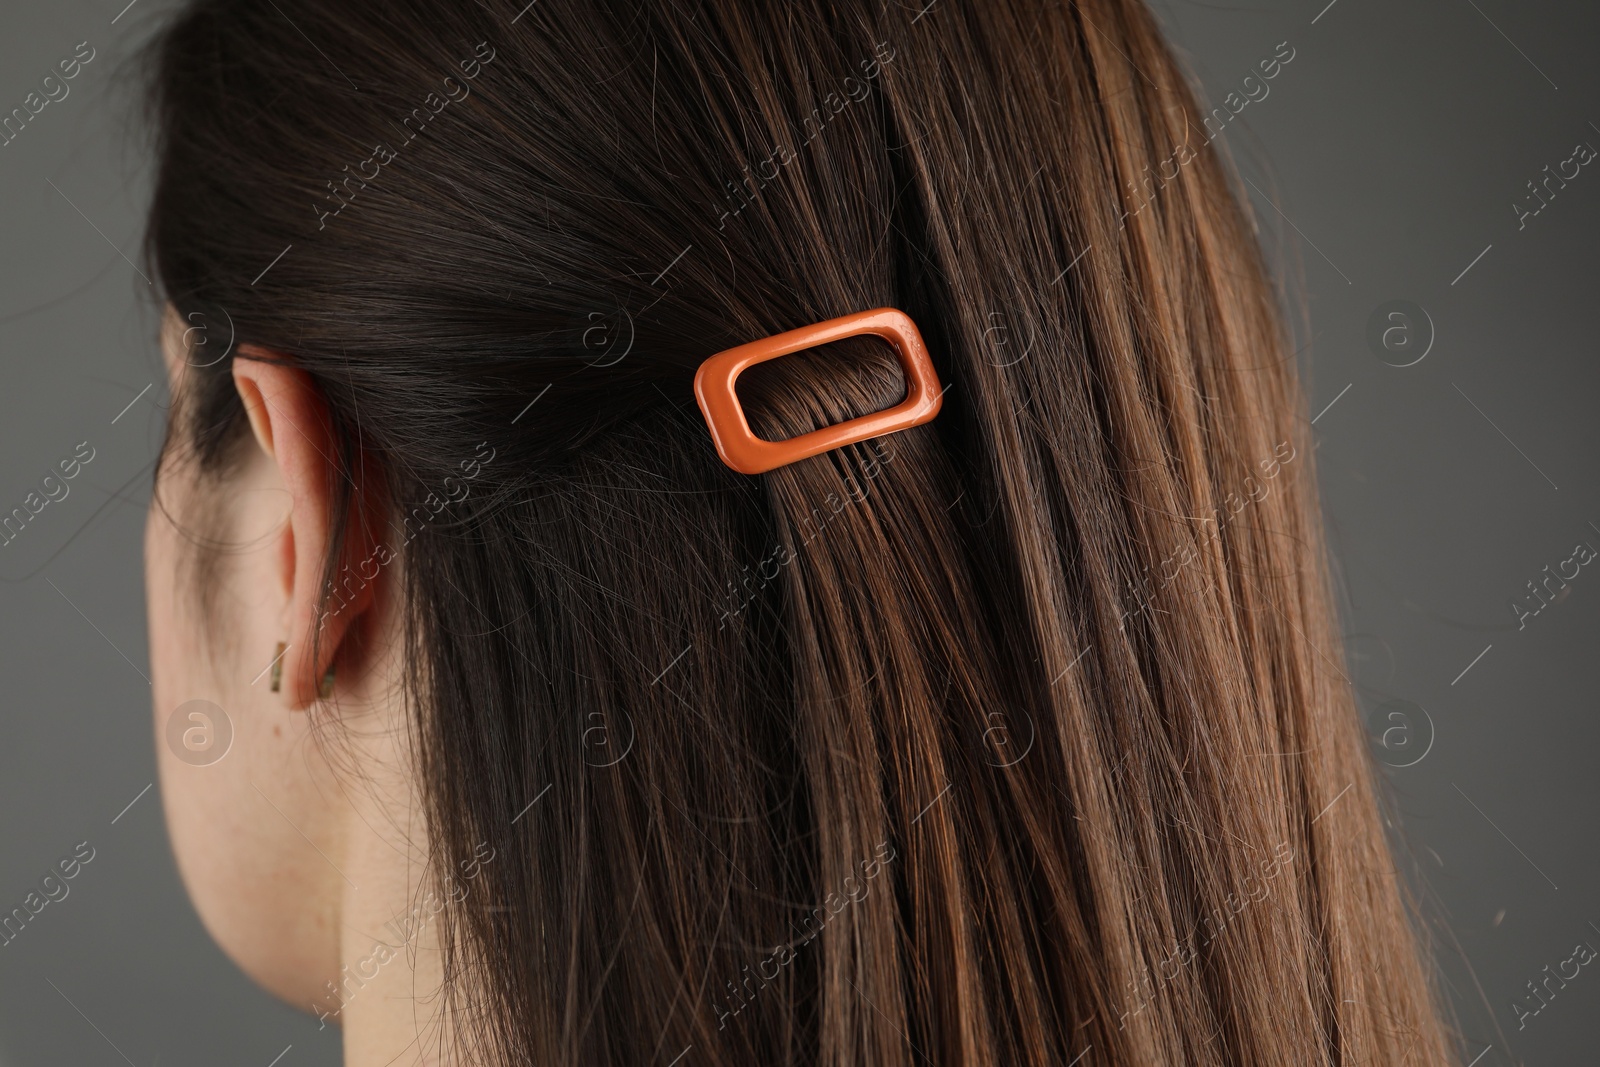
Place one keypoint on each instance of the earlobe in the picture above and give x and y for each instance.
(291, 422)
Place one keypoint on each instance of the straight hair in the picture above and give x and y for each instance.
(1020, 737)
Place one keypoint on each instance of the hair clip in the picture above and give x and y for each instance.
(746, 453)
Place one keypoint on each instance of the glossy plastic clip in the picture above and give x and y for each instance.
(746, 453)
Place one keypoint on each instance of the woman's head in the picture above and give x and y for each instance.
(990, 741)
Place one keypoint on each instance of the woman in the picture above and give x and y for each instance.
(1015, 736)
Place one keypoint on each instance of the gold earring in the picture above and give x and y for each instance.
(325, 690)
(277, 667)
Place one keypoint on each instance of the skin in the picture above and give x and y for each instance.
(306, 838)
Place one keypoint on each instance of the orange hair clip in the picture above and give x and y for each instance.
(746, 453)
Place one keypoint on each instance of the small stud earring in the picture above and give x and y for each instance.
(277, 667)
(325, 690)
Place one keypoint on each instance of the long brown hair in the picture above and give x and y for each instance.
(1021, 737)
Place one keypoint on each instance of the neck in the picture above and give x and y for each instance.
(387, 994)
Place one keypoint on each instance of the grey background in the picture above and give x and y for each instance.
(1396, 141)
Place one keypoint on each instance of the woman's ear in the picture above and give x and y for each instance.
(292, 426)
